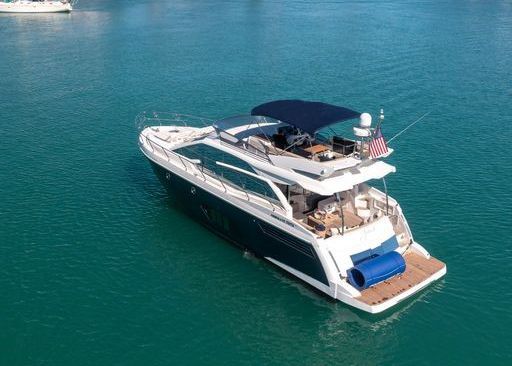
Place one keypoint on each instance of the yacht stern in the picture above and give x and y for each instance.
(421, 270)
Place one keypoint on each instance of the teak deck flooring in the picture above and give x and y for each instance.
(316, 149)
(418, 269)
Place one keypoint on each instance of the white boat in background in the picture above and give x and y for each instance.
(279, 185)
(29, 6)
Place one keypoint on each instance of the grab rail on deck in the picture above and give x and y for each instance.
(205, 172)
(147, 119)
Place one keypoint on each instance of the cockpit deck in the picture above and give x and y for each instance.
(327, 216)
(328, 224)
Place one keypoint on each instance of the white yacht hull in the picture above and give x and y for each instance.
(318, 269)
(35, 7)
(343, 237)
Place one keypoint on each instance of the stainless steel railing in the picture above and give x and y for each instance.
(146, 119)
(195, 166)
(259, 155)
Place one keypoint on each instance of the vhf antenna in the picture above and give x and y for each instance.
(381, 116)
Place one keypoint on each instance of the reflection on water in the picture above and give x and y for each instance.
(340, 313)
(377, 322)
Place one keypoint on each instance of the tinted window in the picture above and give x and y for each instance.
(209, 156)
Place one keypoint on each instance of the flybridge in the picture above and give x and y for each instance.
(284, 133)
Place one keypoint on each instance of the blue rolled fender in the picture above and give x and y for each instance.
(375, 270)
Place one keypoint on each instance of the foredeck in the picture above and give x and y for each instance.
(418, 269)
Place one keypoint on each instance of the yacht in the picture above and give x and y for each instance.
(281, 183)
(36, 6)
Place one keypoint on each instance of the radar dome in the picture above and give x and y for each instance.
(365, 120)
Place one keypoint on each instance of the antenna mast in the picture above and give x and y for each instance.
(381, 117)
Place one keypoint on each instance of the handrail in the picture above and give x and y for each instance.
(275, 190)
(213, 162)
(253, 193)
(206, 172)
(262, 157)
(146, 119)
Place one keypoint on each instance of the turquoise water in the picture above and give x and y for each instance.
(99, 268)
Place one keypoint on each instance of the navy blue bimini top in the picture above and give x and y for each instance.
(307, 116)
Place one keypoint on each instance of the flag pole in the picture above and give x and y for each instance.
(370, 138)
(381, 119)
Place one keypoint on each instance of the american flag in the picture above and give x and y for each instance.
(378, 145)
